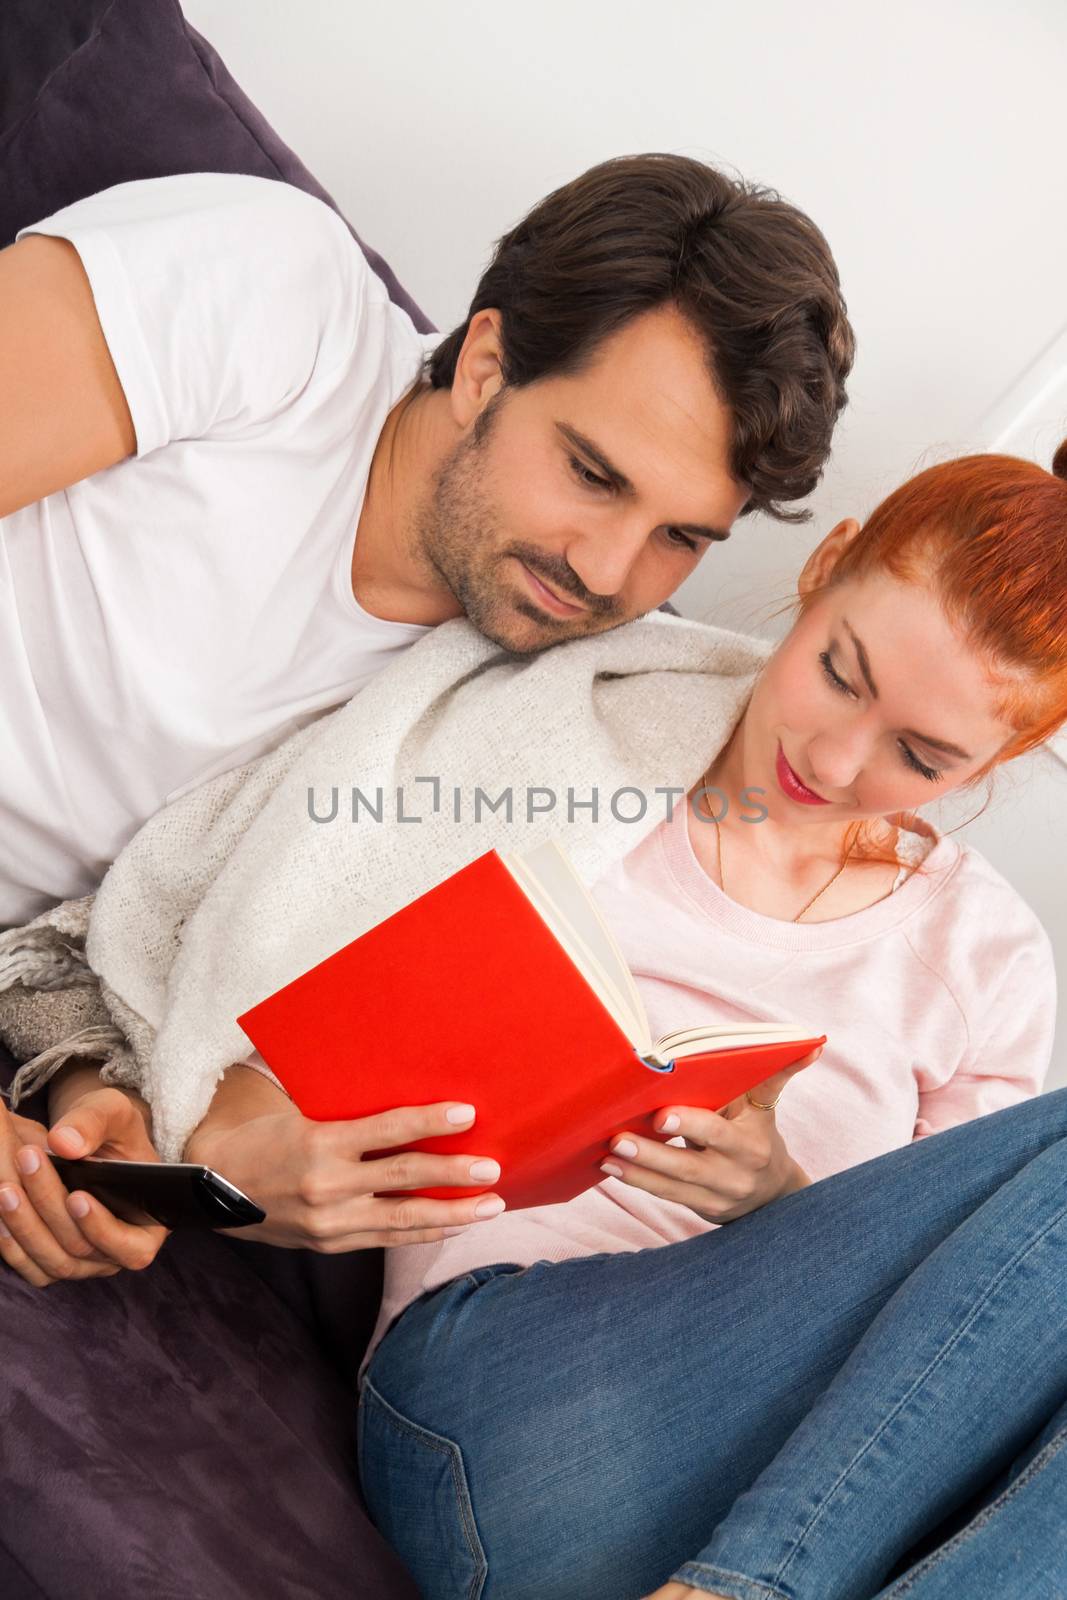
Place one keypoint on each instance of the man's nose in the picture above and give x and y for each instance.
(604, 559)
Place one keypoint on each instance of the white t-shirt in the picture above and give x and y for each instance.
(184, 611)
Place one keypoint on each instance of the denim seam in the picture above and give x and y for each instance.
(1006, 1270)
(907, 1582)
(451, 1449)
(724, 1580)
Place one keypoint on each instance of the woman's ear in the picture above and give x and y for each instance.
(824, 558)
(479, 367)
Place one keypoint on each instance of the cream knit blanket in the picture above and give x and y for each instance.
(234, 889)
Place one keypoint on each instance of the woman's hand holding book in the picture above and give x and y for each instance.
(734, 1161)
(312, 1180)
(528, 1010)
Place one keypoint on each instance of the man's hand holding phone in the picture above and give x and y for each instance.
(42, 1236)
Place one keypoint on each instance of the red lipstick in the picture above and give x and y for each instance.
(792, 786)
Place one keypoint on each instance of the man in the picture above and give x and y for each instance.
(234, 481)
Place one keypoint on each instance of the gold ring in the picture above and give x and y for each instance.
(764, 1105)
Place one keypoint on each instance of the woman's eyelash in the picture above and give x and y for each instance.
(827, 667)
(913, 761)
(593, 481)
(909, 755)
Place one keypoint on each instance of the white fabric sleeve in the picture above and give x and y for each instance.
(221, 296)
(1008, 1058)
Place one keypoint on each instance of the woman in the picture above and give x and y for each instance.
(574, 1400)
(583, 1399)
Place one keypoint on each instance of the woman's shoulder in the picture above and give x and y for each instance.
(977, 924)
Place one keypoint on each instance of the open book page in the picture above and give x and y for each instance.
(727, 1036)
(560, 897)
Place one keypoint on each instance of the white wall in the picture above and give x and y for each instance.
(926, 141)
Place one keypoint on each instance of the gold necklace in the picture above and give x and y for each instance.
(722, 880)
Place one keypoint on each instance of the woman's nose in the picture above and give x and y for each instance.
(837, 760)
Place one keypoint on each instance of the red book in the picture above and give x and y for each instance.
(503, 987)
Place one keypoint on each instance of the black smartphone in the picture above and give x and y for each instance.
(179, 1194)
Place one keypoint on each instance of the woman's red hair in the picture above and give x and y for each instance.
(988, 534)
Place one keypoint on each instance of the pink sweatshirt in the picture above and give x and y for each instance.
(938, 1003)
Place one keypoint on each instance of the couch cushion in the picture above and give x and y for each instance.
(99, 92)
(177, 1430)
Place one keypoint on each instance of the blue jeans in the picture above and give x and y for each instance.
(788, 1406)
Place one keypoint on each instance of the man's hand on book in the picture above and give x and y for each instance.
(319, 1190)
(735, 1160)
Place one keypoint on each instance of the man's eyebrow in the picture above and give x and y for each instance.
(621, 482)
(924, 738)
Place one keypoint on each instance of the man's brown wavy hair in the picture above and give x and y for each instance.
(751, 272)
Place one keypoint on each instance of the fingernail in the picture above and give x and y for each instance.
(9, 1199)
(611, 1169)
(625, 1148)
(78, 1205)
(74, 1138)
(27, 1160)
(669, 1124)
(459, 1113)
(5, 1231)
(485, 1171)
(449, 1232)
(492, 1206)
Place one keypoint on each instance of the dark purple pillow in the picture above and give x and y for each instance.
(176, 1431)
(180, 1430)
(99, 92)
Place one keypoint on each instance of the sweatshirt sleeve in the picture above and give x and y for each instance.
(1010, 1038)
(221, 296)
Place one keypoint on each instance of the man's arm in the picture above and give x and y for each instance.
(79, 1078)
(43, 1242)
(63, 415)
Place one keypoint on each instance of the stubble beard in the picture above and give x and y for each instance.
(458, 536)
